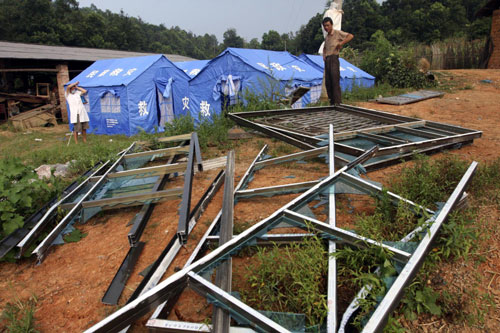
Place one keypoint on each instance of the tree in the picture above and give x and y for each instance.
(231, 39)
(310, 36)
(362, 18)
(272, 41)
(253, 44)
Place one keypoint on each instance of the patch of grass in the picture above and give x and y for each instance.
(282, 149)
(428, 182)
(19, 316)
(389, 222)
(290, 279)
(370, 266)
(213, 132)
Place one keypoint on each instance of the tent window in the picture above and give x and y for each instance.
(315, 93)
(230, 98)
(166, 109)
(110, 103)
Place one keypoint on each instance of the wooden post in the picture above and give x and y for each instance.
(62, 79)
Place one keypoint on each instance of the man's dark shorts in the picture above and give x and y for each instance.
(79, 126)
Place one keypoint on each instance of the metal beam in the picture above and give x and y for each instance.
(418, 132)
(165, 152)
(377, 130)
(150, 171)
(182, 228)
(311, 153)
(380, 139)
(118, 283)
(409, 147)
(331, 319)
(221, 319)
(276, 190)
(272, 133)
(130, 200)
(173, 138)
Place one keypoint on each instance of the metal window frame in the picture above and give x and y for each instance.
(189, 275)
(96, 181)
(439, 136)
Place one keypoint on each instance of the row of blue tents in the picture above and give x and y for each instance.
(128, 95)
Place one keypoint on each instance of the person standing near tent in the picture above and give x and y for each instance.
(78, 115)
(334, 41)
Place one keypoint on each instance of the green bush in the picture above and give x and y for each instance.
(388, 64)
(290, 279)
(428, 181)
(21, 193)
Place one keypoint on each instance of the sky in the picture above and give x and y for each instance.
(251, 18)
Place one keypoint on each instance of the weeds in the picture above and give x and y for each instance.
(390, 221)
(21, 193)
(371, 266)
(429, 182)
(290, 279)
(18, 317)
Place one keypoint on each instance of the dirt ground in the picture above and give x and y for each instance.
(71, 281)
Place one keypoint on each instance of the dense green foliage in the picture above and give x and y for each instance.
(290, 279)
(21, 193)
(63, 22)
(405, 21)
(389, 64)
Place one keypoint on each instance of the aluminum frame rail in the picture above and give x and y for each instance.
(301, 128)
(221, 319)
(194, 152)
(331, 319)
(134, 310)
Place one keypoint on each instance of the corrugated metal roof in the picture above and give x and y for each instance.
(35, 51)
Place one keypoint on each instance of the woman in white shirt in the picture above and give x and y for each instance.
(78, 115)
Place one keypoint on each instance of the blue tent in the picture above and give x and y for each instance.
(236, 72)
(349, 74)
(129, 94)
(191, 68)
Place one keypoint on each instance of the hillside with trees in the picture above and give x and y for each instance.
(63, 22)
